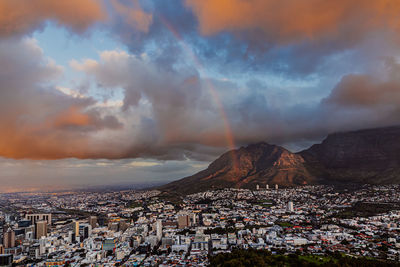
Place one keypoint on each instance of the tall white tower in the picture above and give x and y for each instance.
(159, 229)
(257, 187)
(267, 186)
(276, 187)
(290, 206)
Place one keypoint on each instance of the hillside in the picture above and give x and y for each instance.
(365, 156)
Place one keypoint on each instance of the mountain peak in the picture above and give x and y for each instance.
(364, 156)
(259, 163)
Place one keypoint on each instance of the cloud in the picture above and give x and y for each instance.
(170, 113)
(286, 21)
(24, 16)
(133, 15)
(21, 17)
(37, 120)
(143, 164)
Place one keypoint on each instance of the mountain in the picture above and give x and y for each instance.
(365, 156)
(259, 163)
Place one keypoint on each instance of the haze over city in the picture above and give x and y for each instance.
(122, 92)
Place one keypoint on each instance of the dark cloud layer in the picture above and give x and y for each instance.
(172, 107)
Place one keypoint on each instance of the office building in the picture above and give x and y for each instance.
(75, 228)
(38, 217)
(183, 221)
(93, 221)
(40, 229)
(9, 238)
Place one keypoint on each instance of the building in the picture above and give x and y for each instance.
(34, 251)
(159, 229)
(9, 238)
(84, 231)
(267, 187)
(290, 206)
(276, 187)
(75, 228)
(183, 221)
(93, 221)
(38, 217)
(6, 259)
(200, 244)
(40, 229)
(108, 244)
(257, 187)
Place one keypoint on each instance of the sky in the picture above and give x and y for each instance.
(121, 92)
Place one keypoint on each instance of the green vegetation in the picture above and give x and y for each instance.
(284, 224)
(134, 204)
(251, 257)
(367, 209)
(170, 197)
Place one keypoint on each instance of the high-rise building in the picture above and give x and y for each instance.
(276, 187)
(159, 229)
(9, 238)
(183, 221)
(40, 229)
(6, 259)
(93, 221)
(267, 186)
(257, 187)
(38, 217)
(290, 206)
(84, 231)
(193, 219)
(75, 226)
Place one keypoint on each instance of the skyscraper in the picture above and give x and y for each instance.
(276, 187)
(93, 221)
(9, 238)
(183, 221)
(159, 229)
(290, 206)
(75, 225)
(40, 229)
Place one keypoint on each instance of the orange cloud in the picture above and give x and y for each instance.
(286, 21)
(21, 16)
(133, 15)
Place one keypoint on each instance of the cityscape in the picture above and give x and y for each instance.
(222, 133)
(144, 228)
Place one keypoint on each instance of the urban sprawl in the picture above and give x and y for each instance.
(147, 228)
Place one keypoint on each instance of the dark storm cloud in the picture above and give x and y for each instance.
(170, 109)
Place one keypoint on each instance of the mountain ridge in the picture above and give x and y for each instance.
(362, 156)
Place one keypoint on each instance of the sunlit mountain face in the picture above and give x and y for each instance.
(125, 92)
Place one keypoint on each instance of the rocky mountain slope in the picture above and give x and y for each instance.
(366, 156)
